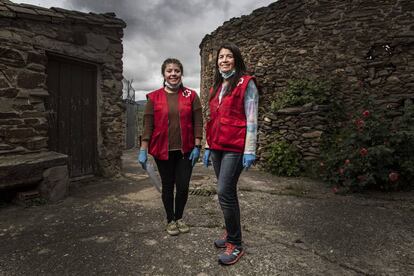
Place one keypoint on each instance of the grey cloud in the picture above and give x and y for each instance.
(159, 29)
(151, 17)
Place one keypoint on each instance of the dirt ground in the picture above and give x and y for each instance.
(291, 226)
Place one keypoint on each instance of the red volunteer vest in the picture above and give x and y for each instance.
(158, 144)
(226, 129)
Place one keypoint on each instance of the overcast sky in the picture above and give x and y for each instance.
(157, 29)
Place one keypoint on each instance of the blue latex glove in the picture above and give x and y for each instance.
(206, 158)
(194, 155)
(248, 160)
(142, 158)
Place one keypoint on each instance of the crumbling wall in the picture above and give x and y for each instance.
(359, 44)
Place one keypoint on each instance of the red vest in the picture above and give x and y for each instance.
(226, 129)
(158, 144)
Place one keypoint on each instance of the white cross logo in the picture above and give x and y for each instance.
(186, 93)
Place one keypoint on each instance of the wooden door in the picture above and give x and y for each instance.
(73, 113)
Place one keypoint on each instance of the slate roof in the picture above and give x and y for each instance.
(55, 15)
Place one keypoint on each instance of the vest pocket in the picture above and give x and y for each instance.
(231, 133)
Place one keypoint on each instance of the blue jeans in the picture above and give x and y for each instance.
(228, 167)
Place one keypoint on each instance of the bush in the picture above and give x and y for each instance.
(371, 152)
(282, 159)
(300, 92)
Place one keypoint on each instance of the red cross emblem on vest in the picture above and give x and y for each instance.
(186, 93)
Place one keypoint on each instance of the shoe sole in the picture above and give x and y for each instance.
(217, 246)
(181, 231)
(173, 234)
(235, 260)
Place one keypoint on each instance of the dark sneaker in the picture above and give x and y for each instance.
(221, 242)
(231, 255)
(172, 228)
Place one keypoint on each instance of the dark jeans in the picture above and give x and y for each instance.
(176, 170)
(228, 167)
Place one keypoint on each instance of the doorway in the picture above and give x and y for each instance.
(72, 107)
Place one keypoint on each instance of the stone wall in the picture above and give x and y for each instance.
(359, 45)
(300, 126)
(27, 34)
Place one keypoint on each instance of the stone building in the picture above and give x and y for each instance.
(360, 45)
(61, 110)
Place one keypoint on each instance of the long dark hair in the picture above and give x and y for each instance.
(239, 66)
(172, 61)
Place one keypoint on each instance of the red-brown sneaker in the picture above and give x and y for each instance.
(232, 254)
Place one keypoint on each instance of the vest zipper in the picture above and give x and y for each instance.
(217, 116)
(168, 134)
(179, 122)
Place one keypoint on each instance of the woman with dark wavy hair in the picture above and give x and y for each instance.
(231, 133)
